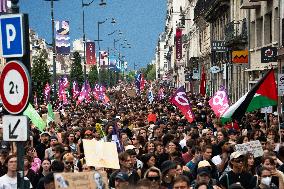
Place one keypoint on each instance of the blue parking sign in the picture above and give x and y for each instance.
(12, 35)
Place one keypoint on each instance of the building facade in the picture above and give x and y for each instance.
(227, 38)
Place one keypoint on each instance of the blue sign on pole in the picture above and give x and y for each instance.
(12, 35)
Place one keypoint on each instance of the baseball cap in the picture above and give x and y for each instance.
(235, 155)
(45, 133)
(203, 164)
(129, 147)
(122, 176)
(204, 171)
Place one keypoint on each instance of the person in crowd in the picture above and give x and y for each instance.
(68, 160)
(125, 167)
(154, 175)
(168, 169)
(237, 174)
(121, 180)
(181, 181)
(264, 179)
(9, 180)
(48, 152)
(43, 145)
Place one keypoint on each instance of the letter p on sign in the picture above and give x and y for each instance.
(11, 34)
(11, 29)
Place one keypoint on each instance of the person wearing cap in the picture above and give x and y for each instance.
(204, 176)
(237, 174)
(121, 180)
(43, 145)
(168, 169)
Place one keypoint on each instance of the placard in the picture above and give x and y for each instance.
(266, 110)
(101, 154)
(81, 180)
(280, 84)
(131, 92)
(253, 147)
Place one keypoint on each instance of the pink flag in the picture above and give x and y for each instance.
(75, 90)
(219, 102)
(65, 82)
(47, 90)
(180, 100)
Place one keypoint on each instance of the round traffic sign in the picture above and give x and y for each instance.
(15, 87)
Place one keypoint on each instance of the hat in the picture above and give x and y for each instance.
(45, 133)
(203, 163)
(53, 137)
(204, 131)
(122, 176)
(88, 132)
(167, 165)
(235, 155)
(236, 186)
(204, 170)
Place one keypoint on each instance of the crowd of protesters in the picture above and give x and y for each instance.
(159, 147)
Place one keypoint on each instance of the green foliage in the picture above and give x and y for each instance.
(151, 75)
(130, 76)
(93, 75)
(40, 74)
(76, 73)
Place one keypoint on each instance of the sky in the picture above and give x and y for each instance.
(140, 21)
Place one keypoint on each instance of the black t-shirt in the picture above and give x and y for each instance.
(246, 179)
(40, 150)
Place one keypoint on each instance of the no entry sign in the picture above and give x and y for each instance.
(15, 87)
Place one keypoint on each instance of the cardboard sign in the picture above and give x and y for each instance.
(131, 92)
(57, 119)
(81, 180)
(101, 154)
(253, 147)
(266, 109)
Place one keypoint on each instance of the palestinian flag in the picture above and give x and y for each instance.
(263, 94)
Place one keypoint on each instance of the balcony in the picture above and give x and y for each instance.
(249, 4)
(211, 9)
(236, 33)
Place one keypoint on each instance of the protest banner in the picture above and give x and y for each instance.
(253, 147)
(101, 154)
(81, 180)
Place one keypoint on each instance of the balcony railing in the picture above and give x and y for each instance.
(236, 33)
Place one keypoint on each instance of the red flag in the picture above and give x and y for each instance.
(90, 53)
(180, 100)
(203, 82)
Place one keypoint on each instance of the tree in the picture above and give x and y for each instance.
(130, 76)
(40, 74)
(93, 75)
(76, 73)
(151, 75)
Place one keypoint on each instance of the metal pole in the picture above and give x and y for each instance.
(53, 50)
(84, 42)
(108, 67)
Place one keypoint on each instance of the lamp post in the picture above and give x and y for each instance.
(102, 3)
(53, 46)
(98, 40)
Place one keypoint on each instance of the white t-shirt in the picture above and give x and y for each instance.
(7, 182)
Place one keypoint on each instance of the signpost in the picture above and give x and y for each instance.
(15, 82)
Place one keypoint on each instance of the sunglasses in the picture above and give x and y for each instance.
(238, 160)
(69, 162)
(157, 178)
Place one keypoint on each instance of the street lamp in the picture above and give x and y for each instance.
(53, 47)
(102, 3)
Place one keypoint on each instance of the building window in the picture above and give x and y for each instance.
(252, 35)
(268, 28)
(276, 26)
(259, 31)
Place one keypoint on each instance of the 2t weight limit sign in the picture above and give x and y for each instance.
(15, 87)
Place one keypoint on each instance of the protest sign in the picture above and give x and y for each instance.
(253, 147)
(81, 180)
(101, 154)
(131, 92)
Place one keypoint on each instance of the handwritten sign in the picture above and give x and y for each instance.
(81, 180)
(253, 147)
(101, 154)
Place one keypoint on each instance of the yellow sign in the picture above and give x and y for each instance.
(101, 154)
(240, 57)
(81, 180)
